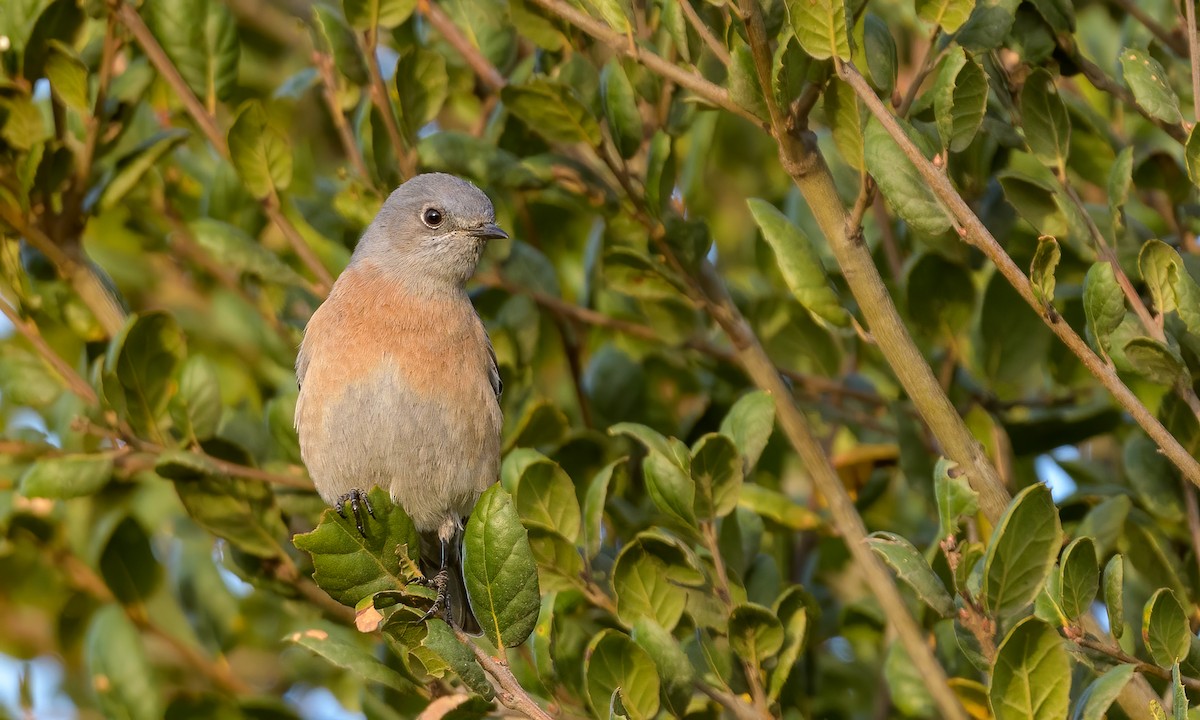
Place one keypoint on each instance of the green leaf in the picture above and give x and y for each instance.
(66, 476)
(1041, 270)
(717, 472)
(200, 38)
(134, 165)
(613, 12)
(333, 37)
(792, 612)
(441, 641)
(542, 644)
(620, 109)
(905, 684)
(1153, 478)
(645, 581)
(552, 110)
(955, 497)
(59, 20)
(660, 173)
(241, 511)
(23, 126)
(799, 263)
(1098, 697)
(749, 423)
(1160, 266)
(940, 295)
(1047, 125)
(351, 567)
(341, 650)
(614, 662)
(755, 634)
(233, 248)
(906, 191)
(367, 14)
(913, 569)
(196, 411)
(1103, 302)
(1120, 178)
(68, 76)
(501, 575)
(879, 49)
(120, 672)
(1165, 629)
(947, 14)
(1114, 593)
(1032, 676)
(545, 498)
(1148, 81)
(961, 100)
(1079, 577)
(1191, 155)
(667, 471)
(593, 506)
(1022, 551)
(820, 26)
(139, 369)
(674, 668)
(844, 115)
(1035, 200)
(776, 506)
(744, 88)
(1155, 360)
(259, 152)
(422, 84)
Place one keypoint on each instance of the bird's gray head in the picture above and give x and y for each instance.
(430, 231)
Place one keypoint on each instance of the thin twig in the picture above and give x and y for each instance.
(405, 158)
(811, 385)
(730, 702)
(977, 234)
(511, 694)
(94, 122)
(1116, 653)
(329, 88)
(618, 42)
(1102, 81)
(80, 576)
(1166, 37)
(126, 436)
(705, 34)
(1193, 55)
(442, 22)
(74, 381)
(208, 125)
(82, 278)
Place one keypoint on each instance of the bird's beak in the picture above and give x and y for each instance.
(489, 231)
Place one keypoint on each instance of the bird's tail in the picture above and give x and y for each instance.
(456, 588)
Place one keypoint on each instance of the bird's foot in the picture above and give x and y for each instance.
(442, 601)
(358, 501)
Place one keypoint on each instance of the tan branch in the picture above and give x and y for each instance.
(978, 235)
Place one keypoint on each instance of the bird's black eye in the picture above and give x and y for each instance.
(432, 217)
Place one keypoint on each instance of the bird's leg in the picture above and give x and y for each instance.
(442, 601)
(358, 501)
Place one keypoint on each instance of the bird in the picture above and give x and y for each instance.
(399, 385)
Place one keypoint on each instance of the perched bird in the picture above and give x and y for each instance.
(398, 380)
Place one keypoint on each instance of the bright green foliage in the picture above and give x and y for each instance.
(180, 181)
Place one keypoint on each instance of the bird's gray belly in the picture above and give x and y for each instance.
(433, 461)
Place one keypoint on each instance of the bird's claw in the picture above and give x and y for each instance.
(358, 500)
(442, 601)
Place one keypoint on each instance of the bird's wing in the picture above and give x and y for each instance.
(493, 366)
(494, 370)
